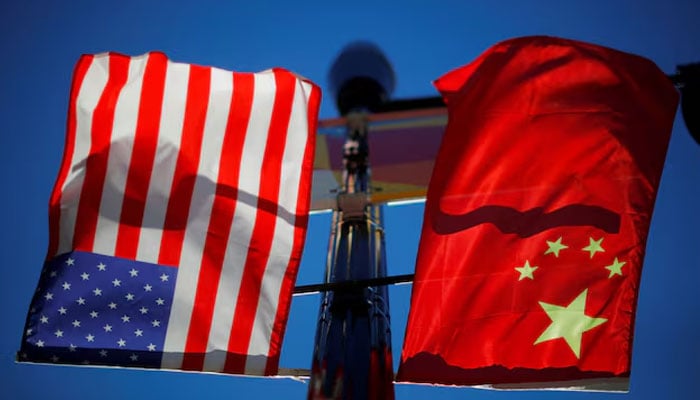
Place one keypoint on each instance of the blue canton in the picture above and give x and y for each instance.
(96, 309)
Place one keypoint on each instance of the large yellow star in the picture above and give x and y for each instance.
(569, 322)
(615, 268)
(594, 246)
(526, 271)
(555, 247)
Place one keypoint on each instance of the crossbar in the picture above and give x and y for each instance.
(354, 284)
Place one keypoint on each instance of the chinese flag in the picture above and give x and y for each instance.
(537, 216)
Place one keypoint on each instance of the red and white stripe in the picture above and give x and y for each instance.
(199, 168)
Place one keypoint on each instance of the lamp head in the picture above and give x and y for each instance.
(361, 78)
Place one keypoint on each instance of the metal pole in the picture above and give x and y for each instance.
(352, 352)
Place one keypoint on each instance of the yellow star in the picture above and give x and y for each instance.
(526, 271)
(615, 268)
(569, 323)
(594, 246)
(555, 247)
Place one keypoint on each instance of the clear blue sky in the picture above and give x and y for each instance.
(40, 41)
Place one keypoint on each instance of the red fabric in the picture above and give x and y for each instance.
(546, 138)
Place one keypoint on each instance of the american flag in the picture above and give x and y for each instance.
(196, 178)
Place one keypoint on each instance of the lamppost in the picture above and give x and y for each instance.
(352, 352)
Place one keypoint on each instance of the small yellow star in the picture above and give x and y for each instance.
(555, 247)
(615, 268)
(594, 246)
(526, 271)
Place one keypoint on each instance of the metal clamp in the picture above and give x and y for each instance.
(353, 206)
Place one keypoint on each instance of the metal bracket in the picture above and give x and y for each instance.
(353, 206)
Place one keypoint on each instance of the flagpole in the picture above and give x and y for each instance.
(352, 351)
